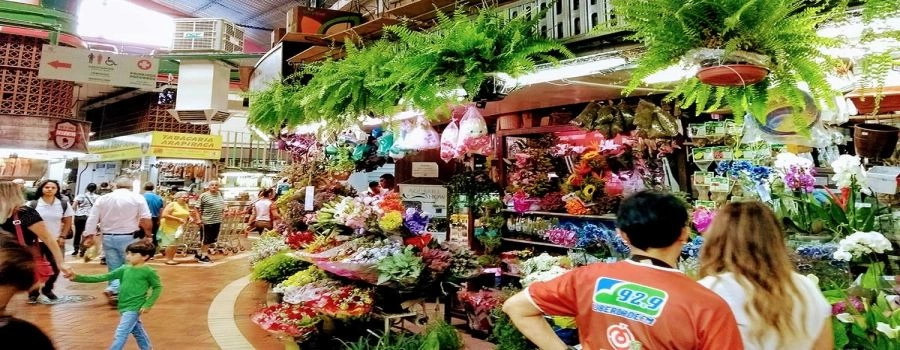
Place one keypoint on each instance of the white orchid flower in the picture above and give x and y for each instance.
(845, 317)
(890, 332)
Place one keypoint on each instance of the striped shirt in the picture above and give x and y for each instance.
(211, 207)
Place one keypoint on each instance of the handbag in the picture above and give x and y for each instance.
(42, 268)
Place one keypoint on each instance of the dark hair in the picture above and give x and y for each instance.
(143, 248)
(40, 188)
(91, 187)
(16, 263)
(387, 177)
(266, 193)
(652, 219)
(148, 186)
(373, 184)
(104, 184)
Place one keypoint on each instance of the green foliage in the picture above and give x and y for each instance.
(875, 65)
(506, 335)
(460, 50)
(402, 268)
(783, 30)
(438, 335)
(410, 69)
(276, 268)
(341, 161)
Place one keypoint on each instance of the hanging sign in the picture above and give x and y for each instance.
(97, 67)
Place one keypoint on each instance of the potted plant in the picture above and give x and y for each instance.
(469, 53)
(340, 164)
(273, 107)
(749, 51)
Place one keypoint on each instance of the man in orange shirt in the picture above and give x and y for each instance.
(640, 303)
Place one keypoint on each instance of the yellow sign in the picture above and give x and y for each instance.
(161, 144)
(192, 146)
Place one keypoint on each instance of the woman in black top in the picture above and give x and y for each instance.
(16, 276)
(30, 222)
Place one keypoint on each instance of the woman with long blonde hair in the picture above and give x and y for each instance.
(744, 260)
(16, 217)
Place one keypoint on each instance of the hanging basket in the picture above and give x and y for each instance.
(738, 68)
(732, 75)
(876, 141)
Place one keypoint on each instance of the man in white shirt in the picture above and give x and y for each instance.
(121, 214)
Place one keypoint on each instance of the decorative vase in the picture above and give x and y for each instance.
(875, 140)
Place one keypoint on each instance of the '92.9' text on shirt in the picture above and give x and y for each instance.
(616, 305)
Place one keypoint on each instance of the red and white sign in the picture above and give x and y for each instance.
(97, 67)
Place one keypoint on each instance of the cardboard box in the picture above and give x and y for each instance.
(309, 20)
(883, 179)
(277, 34)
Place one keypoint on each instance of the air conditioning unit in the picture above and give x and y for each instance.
(202, 92)
(207, 34)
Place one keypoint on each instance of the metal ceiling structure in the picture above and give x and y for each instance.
(257, 17)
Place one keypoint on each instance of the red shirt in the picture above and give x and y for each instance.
(616, 304)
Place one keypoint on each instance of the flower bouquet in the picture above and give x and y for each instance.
(276, 268)
(265, 247)
(402, 268)
(299, 239)
(297, 321)
(463, 264)
(561, 236)
(437, 261)
(345, 302)
(345, 211)
(357, 259)
(415, 221)
(301, 278)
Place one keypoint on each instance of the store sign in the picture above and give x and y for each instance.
(159, 144)
(188, 146)
(425, 169)
(431, 199)
(97, 67)
(42, 133)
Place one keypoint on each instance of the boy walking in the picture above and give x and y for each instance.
(136, 280)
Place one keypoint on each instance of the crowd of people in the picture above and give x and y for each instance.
(131, 228)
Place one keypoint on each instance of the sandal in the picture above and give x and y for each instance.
(171, 263)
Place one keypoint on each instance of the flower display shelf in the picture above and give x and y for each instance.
(609, 217)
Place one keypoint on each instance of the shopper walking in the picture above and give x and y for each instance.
(641, 301)
(138, 280)
(83, 204)
(22, 218)
(16, 276)
(210, 210)
(155, 203)
(57, 216)
(121, 215)
(174, 217)
(264, 212)
(744, 259)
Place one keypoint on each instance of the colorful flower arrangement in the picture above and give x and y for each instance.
(561, 237)
(391, 221)
(266, 246)
(299, 239)
(276, 268)
(531, 169)
(301, 278)
(416, 221)
(297, 321)
(478, 307)
(796, 172)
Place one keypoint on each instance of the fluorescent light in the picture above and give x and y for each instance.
(674, 73)
(578, 67)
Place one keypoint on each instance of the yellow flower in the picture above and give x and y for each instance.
(588, 191)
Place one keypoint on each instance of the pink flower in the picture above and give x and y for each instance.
(702, 218)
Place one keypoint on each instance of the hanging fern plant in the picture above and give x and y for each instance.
(460, 51)
(783, 30)
(274, 107)
(880, 57)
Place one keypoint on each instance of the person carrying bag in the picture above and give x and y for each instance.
(42, 268)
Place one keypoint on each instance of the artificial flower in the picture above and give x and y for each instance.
(561, 237)
(702, 218)
(588, 191)
(576, 207)
(416, 221)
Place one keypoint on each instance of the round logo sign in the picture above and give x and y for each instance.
(620, 337)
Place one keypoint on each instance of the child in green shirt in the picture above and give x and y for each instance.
(136, 280)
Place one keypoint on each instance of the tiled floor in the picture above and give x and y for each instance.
(202, 307)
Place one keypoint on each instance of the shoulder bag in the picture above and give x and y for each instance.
(42, 268)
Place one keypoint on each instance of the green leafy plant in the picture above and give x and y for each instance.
(438, 335)
(783, 30)
(403, 268)
(460, 51)
(277, 268)
(506, 335)
(341, 161)
(274, 107)
(876, 64)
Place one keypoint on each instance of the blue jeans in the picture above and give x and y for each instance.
(114, 249)
(130, 323)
